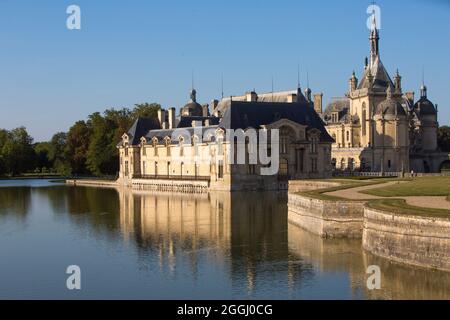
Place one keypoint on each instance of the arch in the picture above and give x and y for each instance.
(284, 168)
(445, 166)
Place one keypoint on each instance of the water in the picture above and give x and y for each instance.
(138, 245)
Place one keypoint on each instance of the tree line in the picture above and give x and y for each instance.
(88, 148)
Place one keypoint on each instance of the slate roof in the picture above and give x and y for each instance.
(425, 107)
(140, 128)
(243, 115)
(186, 122)
(381, 78)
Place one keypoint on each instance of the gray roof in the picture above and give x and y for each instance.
(381, 78)
(425, 107)
(140, 128)
(243, 115)
(279, 97)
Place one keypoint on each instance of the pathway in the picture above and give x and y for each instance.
(418, 201)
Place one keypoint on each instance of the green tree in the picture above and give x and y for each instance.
(57, 154)
(77, 146)
(101, 154)
(146, 110)
(17, 151)
(42, 151)
(444, 138)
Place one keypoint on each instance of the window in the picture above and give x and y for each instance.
(299, 155)
(144, 150)
(220, 170)
(313, 165)
(126, 151)
(155, 147)
(220, 146)
(284, 167)
(314, 141)
(363, 120)
(126, 169)
(333, 163)
(156, 168)
(389, 164)
(143, 167)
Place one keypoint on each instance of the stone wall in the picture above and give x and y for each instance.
(420, 241)
(329, 219)
(306, 185)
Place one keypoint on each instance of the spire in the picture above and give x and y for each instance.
(398, 82)
(374, 40)
(423, 88)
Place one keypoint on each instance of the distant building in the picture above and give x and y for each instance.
(378, 127)
(152, 152)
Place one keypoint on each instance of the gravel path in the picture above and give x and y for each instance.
(418, 201)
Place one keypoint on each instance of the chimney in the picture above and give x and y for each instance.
(196, 124)
(214, 104)
(162, 118)
(410, 96)
(252, 96)
(318, 103)
(292, 98)
(205, 109)
(172, 124)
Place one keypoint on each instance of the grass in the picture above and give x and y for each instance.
(399, 206)
(424, 186)
(345, 184)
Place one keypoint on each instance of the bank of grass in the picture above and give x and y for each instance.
(348, 183)
(399, 206)
(423, 186)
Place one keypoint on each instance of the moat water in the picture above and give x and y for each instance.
(138, 245)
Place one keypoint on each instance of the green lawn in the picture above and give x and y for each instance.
(424, 186)
(400, 206)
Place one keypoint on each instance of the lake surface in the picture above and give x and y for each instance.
(146, 245)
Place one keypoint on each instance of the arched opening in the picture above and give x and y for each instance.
(445, 166)
(284, 168)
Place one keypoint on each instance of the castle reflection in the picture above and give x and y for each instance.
(346, 256)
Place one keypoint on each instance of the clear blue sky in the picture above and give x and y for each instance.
(134, 51)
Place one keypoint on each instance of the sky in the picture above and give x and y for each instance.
(135, 51)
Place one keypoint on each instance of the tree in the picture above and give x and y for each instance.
(42, 151)
(17, 151)
(444, 138)
(146, 110)
(57, 154)
(77, 145)
(101, 154)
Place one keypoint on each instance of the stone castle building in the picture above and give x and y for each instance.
(378, 127)
(153, 154)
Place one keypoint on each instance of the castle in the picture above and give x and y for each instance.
(169, 152)
(379, 128)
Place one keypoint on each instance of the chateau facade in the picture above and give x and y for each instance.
(170, 151)
(377, 127)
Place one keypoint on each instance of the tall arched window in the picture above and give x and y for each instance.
(363, 119)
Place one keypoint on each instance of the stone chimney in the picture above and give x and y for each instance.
(318, 102)
(196, 124)
(252, 96)
(205, 110)
(162, 118)
(214, 104)
(410, 96)
(292, 98)
(172, 120)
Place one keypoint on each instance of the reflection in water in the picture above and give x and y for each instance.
(15, 201)
(167, 245)
(397, 282)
